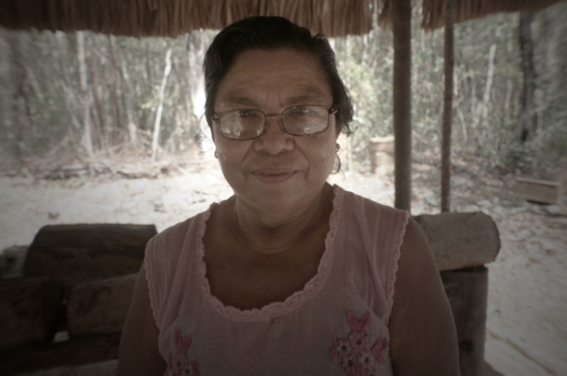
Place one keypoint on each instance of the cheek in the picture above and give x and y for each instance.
(230, 155)
(321, 158)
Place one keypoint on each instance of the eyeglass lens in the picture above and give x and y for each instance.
(297, 121)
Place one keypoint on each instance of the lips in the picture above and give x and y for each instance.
(274, 175)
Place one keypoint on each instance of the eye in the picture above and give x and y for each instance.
(243, 113)
(302, 110)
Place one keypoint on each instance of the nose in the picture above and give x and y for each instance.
(276, 139)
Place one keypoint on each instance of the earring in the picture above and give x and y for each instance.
(337, 147)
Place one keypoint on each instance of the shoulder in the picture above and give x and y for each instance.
(421, 316)
(416, 264)
(165, 250)
(171, 240)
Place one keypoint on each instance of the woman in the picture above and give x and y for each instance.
(290, 276)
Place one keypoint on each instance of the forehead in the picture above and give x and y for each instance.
(259, 75)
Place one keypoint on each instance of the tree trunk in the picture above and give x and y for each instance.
(157, 124)
(22, 108)
(401, 13)
(87, 138)
(192, 120)
(103, 139)
(129, 102)
(447, 108)
(66, 88)
(483, 110)
(113, 83)
(525, 126)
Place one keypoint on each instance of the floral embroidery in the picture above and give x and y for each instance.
(356, 356)
(178, 364)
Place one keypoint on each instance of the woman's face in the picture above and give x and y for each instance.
(276, 172)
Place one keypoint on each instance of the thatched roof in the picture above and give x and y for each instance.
(434, 10)
(140, 18)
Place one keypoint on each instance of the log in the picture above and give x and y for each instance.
(75, 352)
(460, 240)
(100, 307)
(81, 253)
(543, 191)
(30, 309)
(467, 291)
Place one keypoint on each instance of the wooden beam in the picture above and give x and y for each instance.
(401, 17)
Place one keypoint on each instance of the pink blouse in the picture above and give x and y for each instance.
(336, 325)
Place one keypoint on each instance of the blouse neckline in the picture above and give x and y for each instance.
(293, 301)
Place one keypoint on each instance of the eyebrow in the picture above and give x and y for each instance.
(311, 98)
(242, 100)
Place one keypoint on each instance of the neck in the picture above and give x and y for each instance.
(269, 233)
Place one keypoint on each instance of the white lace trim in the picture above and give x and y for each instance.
(291, 302)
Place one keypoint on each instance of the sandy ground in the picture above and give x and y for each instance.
(527, 303)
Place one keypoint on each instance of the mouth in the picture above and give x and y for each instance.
(274, 176)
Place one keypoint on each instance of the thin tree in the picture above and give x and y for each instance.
(67, 88)
(132, 129)
(525, 126)
(113, 85)
(87, 138)
(23, 111)
(157, 124)
(483, 106)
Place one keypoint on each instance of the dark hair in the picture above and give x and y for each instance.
(271, 33)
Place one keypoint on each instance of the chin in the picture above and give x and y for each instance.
(280, 200)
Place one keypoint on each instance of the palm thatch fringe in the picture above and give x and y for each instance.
(434, 10)
(142, 18)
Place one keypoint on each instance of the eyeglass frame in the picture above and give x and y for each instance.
(216, 120)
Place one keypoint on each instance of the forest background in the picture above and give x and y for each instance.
(87, 99)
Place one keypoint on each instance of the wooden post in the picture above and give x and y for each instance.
(447, 109)
(401, 16)
(467, 291)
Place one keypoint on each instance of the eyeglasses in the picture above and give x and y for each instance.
(297, 121)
